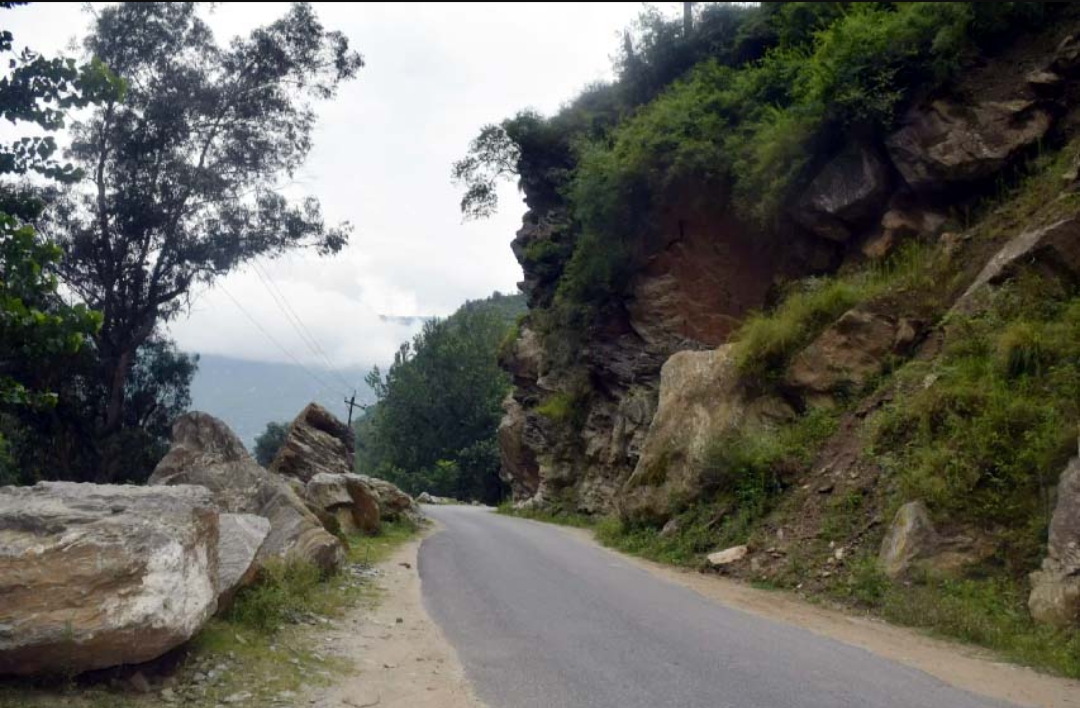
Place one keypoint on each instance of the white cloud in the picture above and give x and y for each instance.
(383, 148)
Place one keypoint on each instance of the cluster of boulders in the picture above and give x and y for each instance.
(94, 576)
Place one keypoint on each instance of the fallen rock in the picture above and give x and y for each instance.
(240, 539)
(671, 528)
(846, 355)
(394, 504)
(913, 542)
(846, 195)
(206, 452)
(948, 142)
(317, 442)
(728, 555)
(347, 498)
(94, 576)
(701, 397)
(1054, 249)
(1055, 588)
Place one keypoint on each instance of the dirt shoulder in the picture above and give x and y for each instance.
(401, 657)
(960, 665)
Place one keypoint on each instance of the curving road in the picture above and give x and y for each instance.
(542, 619)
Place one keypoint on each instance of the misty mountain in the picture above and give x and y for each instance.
(249, 394)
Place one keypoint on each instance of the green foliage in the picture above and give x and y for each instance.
(185, 166)
(433, 428)
(270, 441)
(983, 434)
(278, 598)
(767, 341)
(567, 407)
(989, 612)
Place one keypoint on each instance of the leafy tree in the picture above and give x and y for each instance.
(269, 442)
(39, 332)
(433, 428)
(184, 168)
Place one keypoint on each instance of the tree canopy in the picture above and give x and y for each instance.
(433, 428)
(185, 169)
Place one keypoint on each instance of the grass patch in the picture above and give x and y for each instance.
(565, 407)
(562, 518)
(989, 612)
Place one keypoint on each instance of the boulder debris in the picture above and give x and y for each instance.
(1055, 588)
(206, 452)
(94, 576)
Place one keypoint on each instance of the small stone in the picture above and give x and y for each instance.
(240, 640)
(389, 666)
(399, 620)
(728, 555)
(839, 553)
(238, 697)
(199, 677)
(826, 489)
(139, 682)
(168, 695)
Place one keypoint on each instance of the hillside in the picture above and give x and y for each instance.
(803, 289)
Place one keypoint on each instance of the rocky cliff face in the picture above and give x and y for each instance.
(577, 429)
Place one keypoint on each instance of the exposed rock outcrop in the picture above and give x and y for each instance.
(317, 442)
(93, 576)
(701, 398)
(949, 142)
(205, 452)
(519, 469)
(347, 498)
(1055, 588)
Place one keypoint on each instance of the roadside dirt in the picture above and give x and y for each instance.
(959, 665)
(401, 656)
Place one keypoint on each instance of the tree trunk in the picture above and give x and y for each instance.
(117, 380)
(687, 19)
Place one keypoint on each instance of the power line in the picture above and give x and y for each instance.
(297, 322)
(322, 383)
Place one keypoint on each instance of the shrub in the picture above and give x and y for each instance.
(281, 594)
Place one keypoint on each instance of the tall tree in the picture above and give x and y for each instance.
(185, 170)
(39, 332)
(433, 428)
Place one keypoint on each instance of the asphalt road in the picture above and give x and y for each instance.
(542, 619)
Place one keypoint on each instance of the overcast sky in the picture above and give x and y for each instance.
(382, 153)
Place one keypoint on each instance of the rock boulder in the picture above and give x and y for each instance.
(205, 452)
(317, 442)
(701, 397)
(947, 142)
(347, 498)
(240, 539)
(1055, 588)
(94, 576)
(394, 504)
(913, 542)
(846, 195)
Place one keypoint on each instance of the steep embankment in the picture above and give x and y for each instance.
(874, 388)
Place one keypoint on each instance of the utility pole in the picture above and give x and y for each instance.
(687, 19)
(351, 403)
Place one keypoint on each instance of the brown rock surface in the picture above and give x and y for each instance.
(948, 142)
